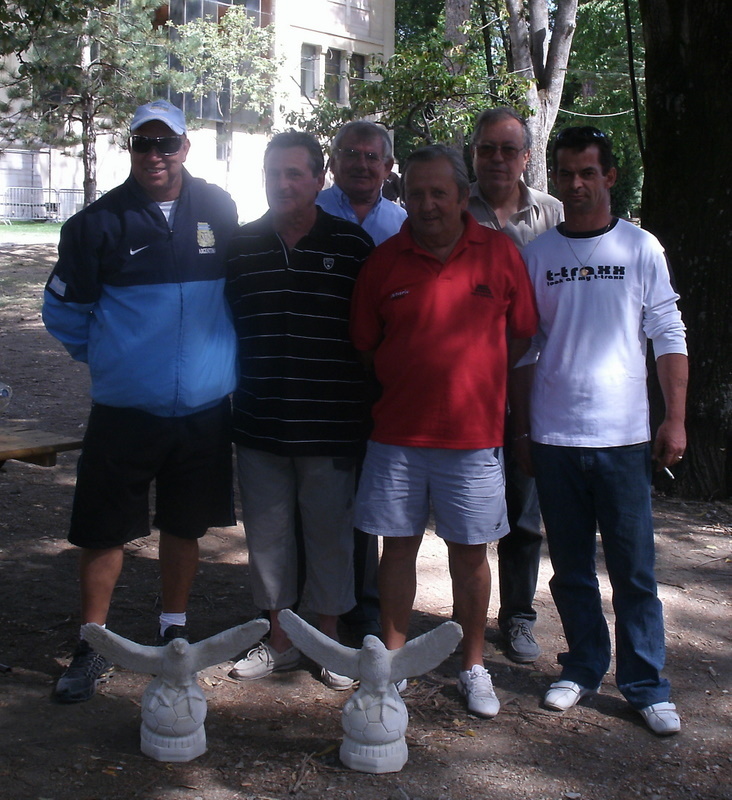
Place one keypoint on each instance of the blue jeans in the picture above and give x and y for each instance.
(582, 489)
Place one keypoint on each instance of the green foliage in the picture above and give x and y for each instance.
(597, 90)
(230, 57)
(93, 64)
(429, 91)
(414, 17)
(20, 20)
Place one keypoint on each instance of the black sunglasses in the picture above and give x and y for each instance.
(165, 145)
(507, 151)
(585, 134)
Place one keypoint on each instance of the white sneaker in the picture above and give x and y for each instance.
(661, 718)
(263, 660)
(476, 686)
(335, 681)
(564, 694)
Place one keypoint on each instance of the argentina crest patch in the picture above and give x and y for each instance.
(205, 238)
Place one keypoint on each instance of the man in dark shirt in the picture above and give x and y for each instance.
(299, 408)
(138, 294)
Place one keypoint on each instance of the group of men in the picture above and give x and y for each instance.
(471, 347)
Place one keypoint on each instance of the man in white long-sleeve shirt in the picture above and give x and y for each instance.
(603, 289)
(499, 199)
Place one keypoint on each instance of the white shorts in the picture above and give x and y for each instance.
(467, 489)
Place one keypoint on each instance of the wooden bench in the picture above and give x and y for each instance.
(33, 445)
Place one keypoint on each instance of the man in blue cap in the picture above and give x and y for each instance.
(137, 293)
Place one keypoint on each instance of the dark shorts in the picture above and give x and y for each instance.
(124, 450)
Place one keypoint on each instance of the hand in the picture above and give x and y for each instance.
(670, 444)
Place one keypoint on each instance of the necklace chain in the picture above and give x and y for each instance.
(592, 252)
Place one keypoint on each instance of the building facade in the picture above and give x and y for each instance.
(326, 44)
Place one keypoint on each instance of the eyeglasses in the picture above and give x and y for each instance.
(509, 152)
(349, 154)
(584, 134)
(165, 145)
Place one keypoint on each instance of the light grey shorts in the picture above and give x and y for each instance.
(467, 490)
(272, 488)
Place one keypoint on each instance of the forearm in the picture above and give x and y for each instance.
(670, 443)
(673, 375)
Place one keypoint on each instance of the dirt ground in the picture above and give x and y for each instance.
(278, 738)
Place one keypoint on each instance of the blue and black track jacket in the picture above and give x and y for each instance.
(144, 305)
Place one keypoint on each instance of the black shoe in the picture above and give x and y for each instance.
(171, 632)
(521, 646)
(86, 670)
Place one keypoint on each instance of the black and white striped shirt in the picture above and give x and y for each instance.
(301, 385)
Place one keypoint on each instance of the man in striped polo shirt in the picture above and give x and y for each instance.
(299, 412)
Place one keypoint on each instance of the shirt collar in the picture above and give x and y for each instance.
(344, 201)
(473, 231)
(527, 198)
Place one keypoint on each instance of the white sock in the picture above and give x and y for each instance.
(167, 619)
(81, 630)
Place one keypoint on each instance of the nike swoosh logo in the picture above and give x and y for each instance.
(139, 250)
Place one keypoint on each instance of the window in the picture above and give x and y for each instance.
(308, 70)
(333, 69)
(358, 67)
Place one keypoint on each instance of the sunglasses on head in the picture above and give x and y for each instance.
(165, 145)
(582, 135)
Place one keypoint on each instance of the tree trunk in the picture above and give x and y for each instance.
(457, 13)
(88, 129)
(686, 203)
(89, 153)
(541, 56)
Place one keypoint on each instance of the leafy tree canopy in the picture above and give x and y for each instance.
(230, 57)
(597, 90)
(429, 91)
(90, 67)
(19, 21)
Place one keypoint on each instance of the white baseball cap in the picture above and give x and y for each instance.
(162, 111)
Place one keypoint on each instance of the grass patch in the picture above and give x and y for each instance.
(51, 228)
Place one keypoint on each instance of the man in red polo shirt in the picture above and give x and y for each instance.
(442, 310)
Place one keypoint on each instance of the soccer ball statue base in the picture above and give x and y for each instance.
(172, 722)
(374, 727)
(172, 748)
(374, 758)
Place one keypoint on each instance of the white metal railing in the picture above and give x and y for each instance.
(69, 202)
(26, 202)
(34, 203)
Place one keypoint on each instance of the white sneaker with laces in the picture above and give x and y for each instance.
(564, 694)
(661, 718)
(263, 660)
(335, 681)
(476, 686)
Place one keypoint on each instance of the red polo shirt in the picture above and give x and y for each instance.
(439, 332)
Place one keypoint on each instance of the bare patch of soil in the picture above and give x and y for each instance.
(278, 738)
